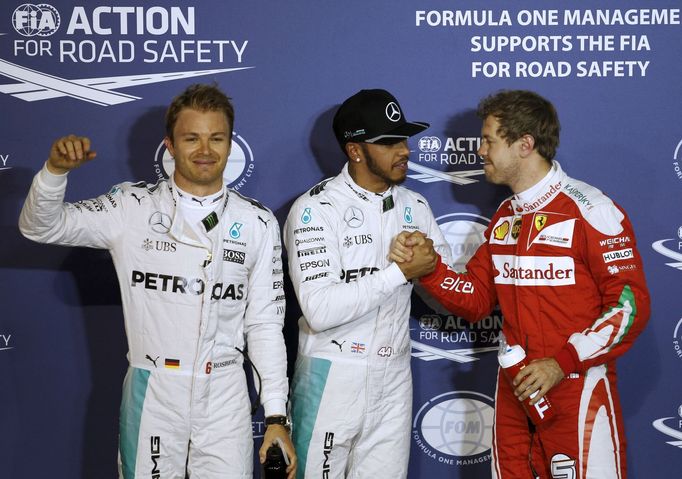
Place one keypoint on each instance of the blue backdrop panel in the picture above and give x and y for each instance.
(611, 67)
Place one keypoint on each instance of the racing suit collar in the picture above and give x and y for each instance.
(179, 229)
(360, 192)
(537, 196)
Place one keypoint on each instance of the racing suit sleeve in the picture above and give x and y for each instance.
(470, 295)
(264, 319)
(433, 231)
(328, 295)
(610, 251)
(46, 218)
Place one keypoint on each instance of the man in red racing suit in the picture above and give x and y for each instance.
(561, 259)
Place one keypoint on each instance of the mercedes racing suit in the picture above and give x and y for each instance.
(564, 266)
(352, 387)
(190, 296)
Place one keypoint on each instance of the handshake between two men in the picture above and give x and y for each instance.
(414, 254)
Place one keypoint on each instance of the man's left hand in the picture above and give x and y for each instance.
(273, 432)
(540, 375)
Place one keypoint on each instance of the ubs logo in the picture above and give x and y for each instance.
(163, 246)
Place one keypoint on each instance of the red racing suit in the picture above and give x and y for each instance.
(565, 269)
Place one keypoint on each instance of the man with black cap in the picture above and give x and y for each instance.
(352, 387)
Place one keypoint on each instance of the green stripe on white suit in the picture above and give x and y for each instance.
(309, 381)
(134, 392)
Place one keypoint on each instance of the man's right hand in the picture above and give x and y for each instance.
(68, 153)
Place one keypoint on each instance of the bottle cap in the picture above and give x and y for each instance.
(511, 356)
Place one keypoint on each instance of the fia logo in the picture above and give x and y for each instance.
(30, 20)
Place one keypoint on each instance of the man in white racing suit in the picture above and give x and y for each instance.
(199, 269)
(352, 387)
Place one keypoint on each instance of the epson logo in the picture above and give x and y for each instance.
(234, 256)
(353, 274)
(155, 455)
(534, 270)
(320, 263)
(312, 251)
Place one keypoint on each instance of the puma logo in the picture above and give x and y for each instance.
(152, 360)
(340, 345)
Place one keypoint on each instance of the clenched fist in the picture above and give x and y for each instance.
(68, 153)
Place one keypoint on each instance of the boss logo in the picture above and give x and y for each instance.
(234, 256)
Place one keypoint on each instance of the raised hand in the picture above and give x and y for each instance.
(69, 152)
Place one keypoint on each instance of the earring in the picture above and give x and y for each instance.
(357, 160)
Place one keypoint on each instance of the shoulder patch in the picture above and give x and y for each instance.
(317, 189)
(250, 200)
(597, 208)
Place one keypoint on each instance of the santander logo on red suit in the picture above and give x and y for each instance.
(534, 270)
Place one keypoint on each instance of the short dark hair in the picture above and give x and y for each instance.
(202, 98)
(523, 112)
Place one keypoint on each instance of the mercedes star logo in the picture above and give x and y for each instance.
(160, 222)
(354, 217)
(393, 112)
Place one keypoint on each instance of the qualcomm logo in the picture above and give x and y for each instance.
(676, 255)
(455, 428)
(671, 427)
(240, 163)
(455, 152)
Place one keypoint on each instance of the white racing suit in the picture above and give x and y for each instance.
(189, 300)
(352, 387)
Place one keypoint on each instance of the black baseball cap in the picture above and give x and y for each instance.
(373, 116)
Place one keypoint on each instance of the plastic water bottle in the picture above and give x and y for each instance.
(512, 360)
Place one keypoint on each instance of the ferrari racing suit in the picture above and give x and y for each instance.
(190, 295)
(563, 264)
(352, 386)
